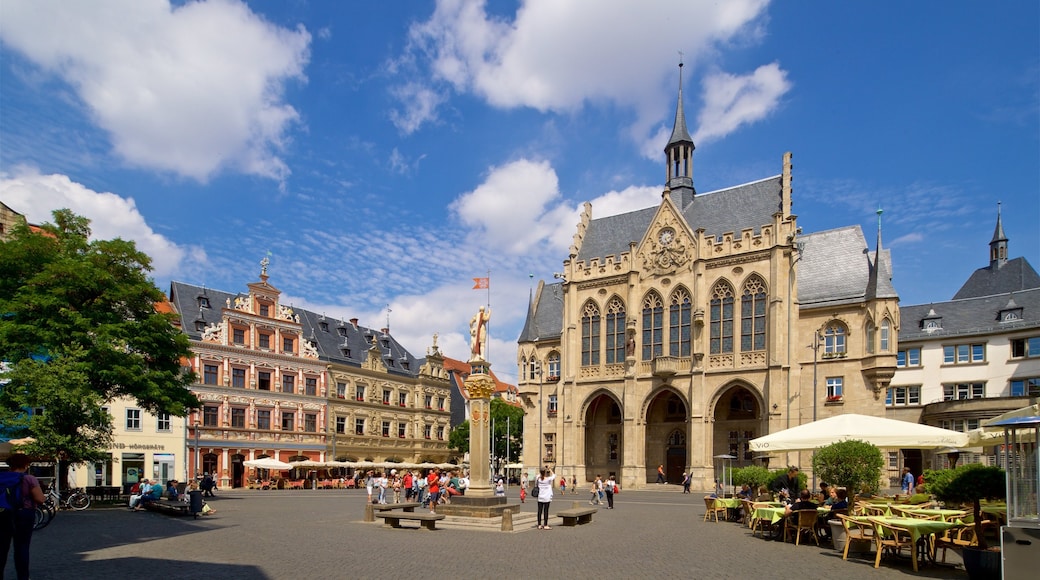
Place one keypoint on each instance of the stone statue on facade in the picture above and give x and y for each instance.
(478, 333)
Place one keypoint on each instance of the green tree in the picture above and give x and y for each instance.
(852, 464)
(511, 439)
(753, 475)
(968, 484)
(78, 328)
(458, 439)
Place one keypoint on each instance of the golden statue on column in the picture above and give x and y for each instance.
(478, 334)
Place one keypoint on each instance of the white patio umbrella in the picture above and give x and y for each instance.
(268, 463)
(987, 435)
(308, 463)
(885, 433)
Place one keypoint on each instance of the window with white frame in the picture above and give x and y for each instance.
(402, 429)
(428, 431)
(440, 432)
(961, 391)
(552, 405)
(903, 396)
(886, 332)
(341, 425)
(162, 422)
(386, 428)
(133, 419)
(834, 340)
(428, 400)
(359, 426)
(961, 425)
(835, 388)
(554, 365)
(893, 460)
(341, 390)
(386, 396)
(959, 354)
(359, 392)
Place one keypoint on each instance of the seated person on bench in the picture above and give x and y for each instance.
(154, 494)
(171, 490)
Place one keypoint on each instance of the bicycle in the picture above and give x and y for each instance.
(74, 499)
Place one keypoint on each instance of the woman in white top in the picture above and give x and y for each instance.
(545, 496)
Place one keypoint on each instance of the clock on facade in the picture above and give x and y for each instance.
(666, 236)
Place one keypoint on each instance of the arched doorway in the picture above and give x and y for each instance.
(738, 420)
(209, 465)
(238, 471)
(666, 436)
(602, 437)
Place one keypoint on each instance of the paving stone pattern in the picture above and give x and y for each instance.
(657, 533)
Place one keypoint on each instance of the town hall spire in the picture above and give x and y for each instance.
(679, 155)
(998, 246)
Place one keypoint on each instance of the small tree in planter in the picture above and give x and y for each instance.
(969, 484)
(754, 476)
(852, 464)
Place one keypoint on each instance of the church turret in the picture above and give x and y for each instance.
(998, 246)
(679, 156)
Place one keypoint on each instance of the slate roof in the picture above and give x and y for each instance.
(971, 316)
(544, 314)
(835, 269)
(1012, 276)
(330, 343)
(748, 206)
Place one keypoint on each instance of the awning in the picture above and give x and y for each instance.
(882, 432)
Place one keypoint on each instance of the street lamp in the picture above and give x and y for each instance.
(815, 346)
(196, 474)
(538, 449)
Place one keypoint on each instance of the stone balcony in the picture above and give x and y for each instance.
(665, 366)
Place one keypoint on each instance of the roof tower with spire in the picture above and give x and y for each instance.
(679, 156)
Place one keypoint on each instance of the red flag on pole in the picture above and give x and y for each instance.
(480, 283)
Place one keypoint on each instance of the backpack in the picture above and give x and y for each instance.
(11, 491)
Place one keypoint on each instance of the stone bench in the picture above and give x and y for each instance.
(393, 519)
(576, 516)
(385, 507)
(171, 507)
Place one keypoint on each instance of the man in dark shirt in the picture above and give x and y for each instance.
(786, 485)
(804, 502)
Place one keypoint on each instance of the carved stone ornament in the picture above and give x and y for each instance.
(479, 386)
(666, 250)
(213, 333)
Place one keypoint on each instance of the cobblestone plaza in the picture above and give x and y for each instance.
(320, 534)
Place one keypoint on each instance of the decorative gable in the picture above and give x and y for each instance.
(668, 245)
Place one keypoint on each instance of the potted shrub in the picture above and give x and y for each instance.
(852, 464)
(970, 484)
(754, 476)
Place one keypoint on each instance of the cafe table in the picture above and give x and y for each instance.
(921, 531)
(945, 515)
(732, 505)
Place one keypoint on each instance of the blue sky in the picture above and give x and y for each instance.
(389, 152)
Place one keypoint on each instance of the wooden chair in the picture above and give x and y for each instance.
(747, 509)
(855, 531)
(757, 524)
(949, 540)
(802, 521)
(711, 510)
(893, 539)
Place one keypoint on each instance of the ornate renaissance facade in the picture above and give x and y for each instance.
(680, 331)
(287, 383)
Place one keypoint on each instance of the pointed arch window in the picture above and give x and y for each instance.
(590, 330)
(523, 367)
(532, 368)
(834, 340)
(753, 315)
(653, 323)
(870, 336)
(721, 318)
(615, 331)
(679, 323)
(886, 333)
(554, 366)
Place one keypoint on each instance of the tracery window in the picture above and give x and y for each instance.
(753, 315)
(834, 339)
(886, 330)
(615, 331)
(870, 335)
(590, 329)
(554, 365)
(679, 323)
(721, 318)
(653, 321)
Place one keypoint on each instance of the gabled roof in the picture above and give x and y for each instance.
(748, 206)
(459, 370)
(835, 269)
(1013, 276)
(330, 339)
(971, 316)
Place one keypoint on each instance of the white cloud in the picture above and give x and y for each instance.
(558, 56)
(111, 216)
(193, 89)
(731, 101)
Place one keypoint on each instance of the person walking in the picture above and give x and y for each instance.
(574, 484)
(660, 474)
(908, 481)
(686, 477)
(545, 497)
(16, 525)
(610, 487)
